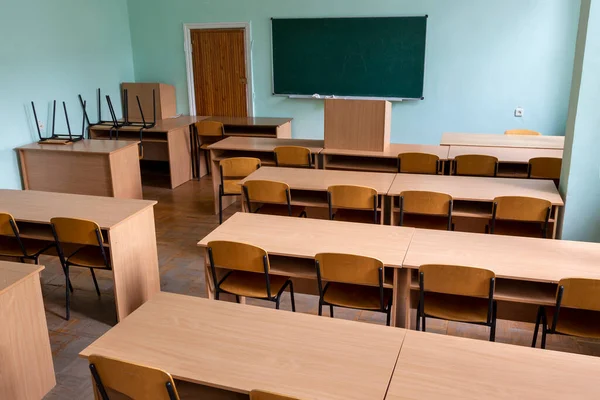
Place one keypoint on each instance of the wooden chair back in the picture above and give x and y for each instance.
(522, 132)
(545, 168)
(423, 202)
(238, 167)
(261, 191)
(580, 293)
(133, 380)
(475, 165)
(8, 226)
(348, 268)
(517, 208)
(352, 197)
(418, 163)
(262, 395)
(209, 128)
(457, 280)
(293, 156)
(238, 256)
(77, 231)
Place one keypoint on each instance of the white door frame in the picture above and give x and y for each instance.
(187, 38)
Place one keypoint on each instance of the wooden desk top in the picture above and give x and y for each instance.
(240, 347)
(393, 151)
(250, 121)
(264, 144)
(12, 273)
(496, 140)
(40, 207)
(514, 155)
(163, 125)
(521, 258)
(320, 179)
(305, 237)
(477, 188)
(432, 366)
(83, 146)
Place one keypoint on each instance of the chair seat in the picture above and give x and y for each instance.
(9, 246)
(280, 209)
(574, 322)
(519, 228)
(456, 308)
(361, 216)
(252, 284)
(89, 256)
(425, 221)
(232, 186)
(355, 296)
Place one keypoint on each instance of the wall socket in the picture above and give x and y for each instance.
(41, 125)
(519, 112)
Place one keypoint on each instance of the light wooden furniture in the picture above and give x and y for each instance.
(93, 167)
(358, 124)
(170, 140)
(274, 128)
(245, 347)
(27, 369)
(430, 210)
(261, 395)
(475, 165)
(522, 132)
(293, 157)
(545, 168)
(436, 367)
(231, 172)
(520, 216)
(13, 246)
(418, 163)
(309, 186)
(261, 148)
(164, 95)
(473, 196)
(127, 227)
(377, 161)
(270, 197)
(493, 140)
(354, 203)
(207, 133)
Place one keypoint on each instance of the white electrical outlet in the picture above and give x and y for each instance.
(41, 125)
(519, 112)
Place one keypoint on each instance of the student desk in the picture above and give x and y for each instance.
(280, 128)
(513, 162)
(93, 167)
(170, 140)
(308, 187)
(495, 140)
(261, 148)
(375, 161)
(238, 348)
(434, 366)
(127, 227)
(292, 244)
(473, 196)
(27, 371)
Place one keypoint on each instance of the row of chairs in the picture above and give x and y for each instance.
(77, 242)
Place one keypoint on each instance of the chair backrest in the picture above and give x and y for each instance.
(545, 168)
(580, 293)
(457, 280)
(238, 167)
(267, 192)
(517, 208)
(475, 165)
(133, 380)
(422, 202)
(352, 197)
(523, 132)
(209, 128)
(418, 163)
(292, 156)
(77, 231)
(348, 268)
(6, 225)
(262, 395)
(238, 256)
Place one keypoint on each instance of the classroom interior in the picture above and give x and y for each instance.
(300, 200)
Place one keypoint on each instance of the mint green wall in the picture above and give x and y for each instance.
(56, 49)
(484, 58)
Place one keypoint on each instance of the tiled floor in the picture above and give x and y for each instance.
(183, 217)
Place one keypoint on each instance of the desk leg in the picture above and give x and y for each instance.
(556, 214)
(401, 298)
(134, 261)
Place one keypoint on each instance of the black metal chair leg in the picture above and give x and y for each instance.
(493, 327)
(216, 295)
(537, 327)
(68, 293)
(544, 332)
(95, 281)
(424, 329)
(418, 322)
(331, 311)
(206, 158)
(292, 296)
(237, 299)
(277, 300)
(389, 316)
(320, 309)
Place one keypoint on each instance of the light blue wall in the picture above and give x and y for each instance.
(484, 58)
(56, 49)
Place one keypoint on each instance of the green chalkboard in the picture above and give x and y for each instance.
(350, 57)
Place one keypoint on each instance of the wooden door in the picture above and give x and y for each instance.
(219, 64)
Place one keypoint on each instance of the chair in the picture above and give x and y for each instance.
(575, 313)
(545, 168)
(457, 293)
(273, 198)
(522, 132)
(520, 216)
(293, 156)
(13, 245)
(262, 395)
(429, 210)
(249, 272)
(352, 203)
(208, 132)
(352, 282)
(475, 165)
(418, 163)
(233, 170)
(89, 249)
(118, 378)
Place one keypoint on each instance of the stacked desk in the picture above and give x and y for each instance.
(511, 141)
